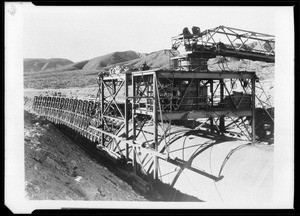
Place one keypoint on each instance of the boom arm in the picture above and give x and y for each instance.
(228, 42)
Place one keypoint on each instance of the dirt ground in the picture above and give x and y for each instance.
(57, 169)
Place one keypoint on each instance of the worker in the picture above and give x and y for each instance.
(194, 45)
(196, 30)
(186, 31)
(145, 66)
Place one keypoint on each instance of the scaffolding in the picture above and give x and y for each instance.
(138, 115)
(159, 99)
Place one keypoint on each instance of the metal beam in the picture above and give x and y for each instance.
(127, 104)
(257, 33)
(132, 143)
(144, 73)
(253, 109)
(206, 75)
(113, 118)
(222, 120)
(182, 164)
(212, 104)
(134, 162)
(214, 113)
(102, 108)
(155, 120)
(180, 115)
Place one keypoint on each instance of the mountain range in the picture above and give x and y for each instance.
(39, 64)
(130, 59)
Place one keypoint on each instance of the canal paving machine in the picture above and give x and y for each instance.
(189, 127)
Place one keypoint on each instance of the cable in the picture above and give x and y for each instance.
(212, 173)
(229, 155)
(183, 145)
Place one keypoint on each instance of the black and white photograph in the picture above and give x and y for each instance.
(148, 107)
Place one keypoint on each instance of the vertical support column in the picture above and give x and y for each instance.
(222, 122)
(155, 119)
(133, 123)
(114, 86)
(126, 115)
(253, 107)
(197, 81)
(102, 108)
(169, 57)
(212, 103)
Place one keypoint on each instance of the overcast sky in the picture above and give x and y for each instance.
(81, 33)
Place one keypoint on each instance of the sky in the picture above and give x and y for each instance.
(82, 33)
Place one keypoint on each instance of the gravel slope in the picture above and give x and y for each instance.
(57, 169)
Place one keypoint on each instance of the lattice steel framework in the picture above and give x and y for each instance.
(225, 41)
(135, 115)
(139, 126)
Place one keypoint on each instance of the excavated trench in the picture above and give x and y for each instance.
(50, 134)
(157, 191)
(247, 175)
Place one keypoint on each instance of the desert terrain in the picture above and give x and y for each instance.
(56, 168)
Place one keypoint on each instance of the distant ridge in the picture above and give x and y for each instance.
(83, 73)
(97, 63)
(111, 59)
(73, 66)
(130, 59)
(40, 64)
(158, 59)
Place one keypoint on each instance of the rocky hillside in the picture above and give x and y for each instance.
(265, 71)
(84, 73)
(57, 169)
(158, 59)
(110, 59)
(133, 60)
(130, 59)
(73, 66)
(38, 64)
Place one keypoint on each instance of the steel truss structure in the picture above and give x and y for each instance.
(144, 118)
(135, 115)
(222, 41)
